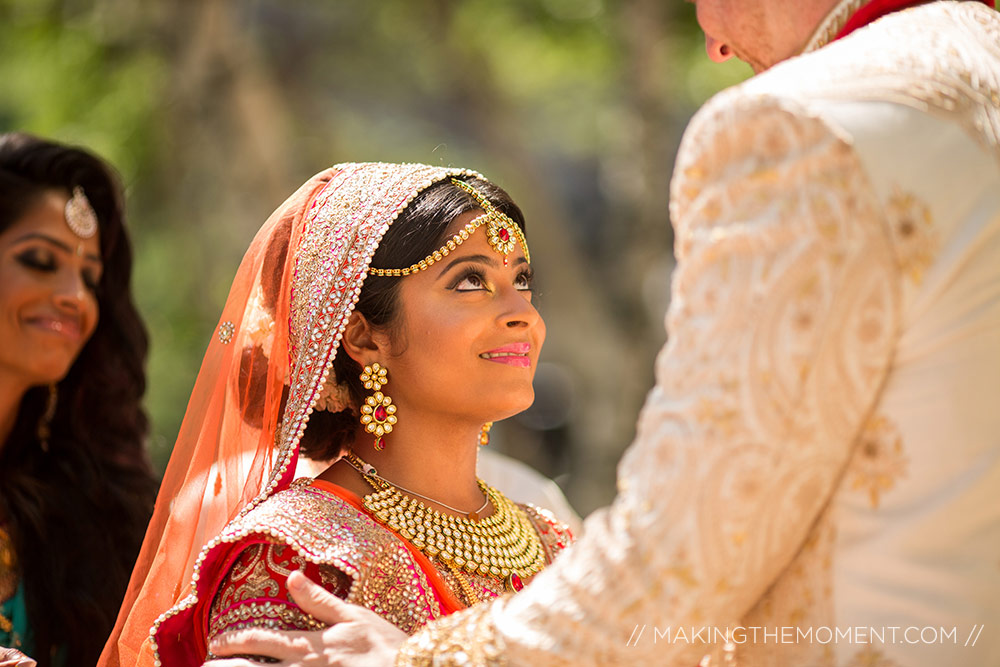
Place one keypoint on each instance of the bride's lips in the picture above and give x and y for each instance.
(65, 327)
(515, 354)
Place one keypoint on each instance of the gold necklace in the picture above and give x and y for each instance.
(8, 574)
(504, 545)
(368, 469)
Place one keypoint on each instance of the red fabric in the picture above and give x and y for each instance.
(876, 9)
(179, 646)
(449, 603)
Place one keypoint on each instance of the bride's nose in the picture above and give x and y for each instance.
(519, 312)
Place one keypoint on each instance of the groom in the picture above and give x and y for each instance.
(815, 476)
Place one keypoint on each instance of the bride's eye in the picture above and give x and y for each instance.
(472, 281)
(524, 281)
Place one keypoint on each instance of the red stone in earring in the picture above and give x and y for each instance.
(378, 414)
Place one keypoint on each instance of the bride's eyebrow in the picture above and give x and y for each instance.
(478, 259)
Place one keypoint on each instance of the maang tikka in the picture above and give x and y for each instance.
(502, 233)
(378, 414)
(80, 216)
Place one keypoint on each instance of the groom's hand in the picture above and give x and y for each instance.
(356, 637)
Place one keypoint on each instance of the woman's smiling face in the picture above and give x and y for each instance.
(48, 304)
(467, 337)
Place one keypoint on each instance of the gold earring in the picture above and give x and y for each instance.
(378, 414)
(45, 422)
(484, 434)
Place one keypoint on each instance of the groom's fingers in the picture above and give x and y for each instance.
(317, 601)
(257, 641)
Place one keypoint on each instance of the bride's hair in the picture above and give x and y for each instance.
(421, 229)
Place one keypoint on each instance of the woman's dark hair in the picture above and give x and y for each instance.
(420, 229)
(78, 511)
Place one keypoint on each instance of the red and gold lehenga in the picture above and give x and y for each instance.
(324, 530)
(230, 524)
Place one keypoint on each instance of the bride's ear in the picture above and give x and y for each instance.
(360, 341)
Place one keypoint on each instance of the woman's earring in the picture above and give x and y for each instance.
(378, 414)
(45, 422)
(484, 434)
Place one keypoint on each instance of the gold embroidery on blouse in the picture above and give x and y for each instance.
(271, 615)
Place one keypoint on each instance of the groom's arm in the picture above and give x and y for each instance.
(781, 328)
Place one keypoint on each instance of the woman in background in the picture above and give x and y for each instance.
(76, 488)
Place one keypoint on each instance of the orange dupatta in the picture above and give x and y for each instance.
(268, 362)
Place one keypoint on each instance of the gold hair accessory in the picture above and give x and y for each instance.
(504, 545)
(378, 414)
(502, 233)
(80, 216)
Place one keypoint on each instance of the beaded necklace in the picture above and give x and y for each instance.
(504, 545)
(8, 574)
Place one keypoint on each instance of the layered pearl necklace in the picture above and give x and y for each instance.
(504, 545)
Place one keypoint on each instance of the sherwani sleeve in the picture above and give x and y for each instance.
(783, 319)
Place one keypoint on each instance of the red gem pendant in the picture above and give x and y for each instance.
(379, 445)
(504, 234)
(380, 414)
(514, 582)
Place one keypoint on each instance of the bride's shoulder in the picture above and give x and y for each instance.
(318, 528)
(318, 520)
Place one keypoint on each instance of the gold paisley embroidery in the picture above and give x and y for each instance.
(879, 461)
(948, 66)
(465, 638)
(274, 556)
(913, 233)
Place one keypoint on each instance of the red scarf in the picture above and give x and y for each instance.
(876, 9)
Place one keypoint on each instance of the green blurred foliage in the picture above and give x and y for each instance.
(214, 111)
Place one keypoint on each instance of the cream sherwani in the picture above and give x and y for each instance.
(821, 453)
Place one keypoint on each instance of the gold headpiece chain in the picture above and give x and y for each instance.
(502, 234)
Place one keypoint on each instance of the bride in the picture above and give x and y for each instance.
(383, 315)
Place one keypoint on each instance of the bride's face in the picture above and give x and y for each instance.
(467, 337)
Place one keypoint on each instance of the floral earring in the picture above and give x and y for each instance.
(484, 434)
(378, 414)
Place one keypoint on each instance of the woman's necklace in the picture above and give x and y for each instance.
(8, 574)
(504, 545)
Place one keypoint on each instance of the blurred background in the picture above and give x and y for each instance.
(213, 111)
